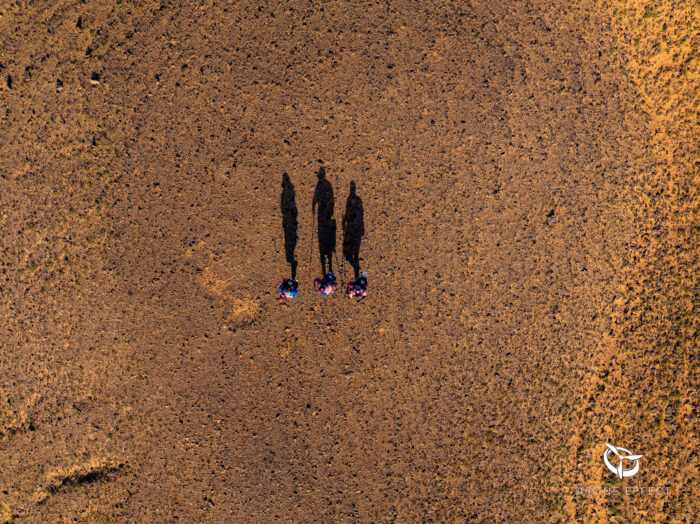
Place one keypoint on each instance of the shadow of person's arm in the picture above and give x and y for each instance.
(317, 198)
(361, 214)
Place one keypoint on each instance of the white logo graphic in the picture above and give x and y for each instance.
(619, 470)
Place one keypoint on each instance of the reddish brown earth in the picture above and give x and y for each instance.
(149, 372)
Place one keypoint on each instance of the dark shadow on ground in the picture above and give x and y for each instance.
(325, 203)
(353, 229)
(290, 223)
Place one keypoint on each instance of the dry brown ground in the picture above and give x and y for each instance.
(148, 372)
(642, 386)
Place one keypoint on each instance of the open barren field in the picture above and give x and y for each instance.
(524, 200)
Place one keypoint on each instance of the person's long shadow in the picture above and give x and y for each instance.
(290, 223)
(353, 229)
(323, 201)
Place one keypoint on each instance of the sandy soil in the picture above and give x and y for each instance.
(643, 382)
(528, 176)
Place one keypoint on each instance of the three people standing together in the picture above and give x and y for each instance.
(353, 232)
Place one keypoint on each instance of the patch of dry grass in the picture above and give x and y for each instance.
(642, 384)
(82, 473)
(243, 311)
(16, 420)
